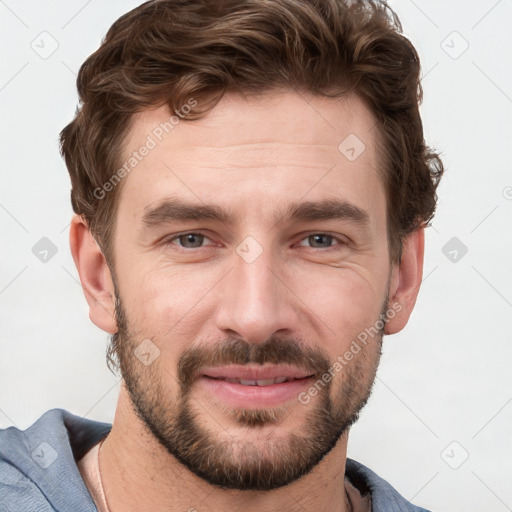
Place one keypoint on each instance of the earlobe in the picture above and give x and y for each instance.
(405, 281)
(94, 275)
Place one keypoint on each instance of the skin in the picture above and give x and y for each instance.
(252, 157)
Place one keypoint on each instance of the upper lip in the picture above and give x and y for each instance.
(248, 372)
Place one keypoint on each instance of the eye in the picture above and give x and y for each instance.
(189, 240)
(321, 240)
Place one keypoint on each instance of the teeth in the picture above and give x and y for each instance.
(248, 382)
(259, 382)
(265, 382)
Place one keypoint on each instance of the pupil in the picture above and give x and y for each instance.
(189, 240)
(319, 238)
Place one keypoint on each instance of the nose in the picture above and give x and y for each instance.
(256, 301)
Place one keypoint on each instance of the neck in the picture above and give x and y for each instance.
(139, 474)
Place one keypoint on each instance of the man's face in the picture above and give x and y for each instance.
(276, 264)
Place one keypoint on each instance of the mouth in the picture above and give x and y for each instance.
(258, 382)
(244, 386)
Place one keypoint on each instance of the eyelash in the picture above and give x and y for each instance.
(170, 241)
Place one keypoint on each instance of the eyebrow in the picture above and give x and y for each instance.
(175, 210)
(330, 209)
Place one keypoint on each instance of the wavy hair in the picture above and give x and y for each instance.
(167, 51)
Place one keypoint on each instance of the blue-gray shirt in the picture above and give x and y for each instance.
(38, 471)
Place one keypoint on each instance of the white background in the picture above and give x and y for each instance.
(446, 378)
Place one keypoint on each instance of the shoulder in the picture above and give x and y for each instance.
(384, 497)
(38, 468)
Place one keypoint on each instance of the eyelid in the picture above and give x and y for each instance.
(304, 236)
(341, 239)
(170, 239)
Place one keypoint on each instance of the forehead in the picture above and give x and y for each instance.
(302, 120)
(255, 152)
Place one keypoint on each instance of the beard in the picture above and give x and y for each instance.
(218, 457)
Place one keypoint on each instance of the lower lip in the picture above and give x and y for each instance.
(253, 397)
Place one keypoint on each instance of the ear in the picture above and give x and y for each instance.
(405, 281)
(94, 275)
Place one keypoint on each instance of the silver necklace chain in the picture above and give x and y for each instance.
(101, 479)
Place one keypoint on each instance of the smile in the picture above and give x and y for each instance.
(259, 382)
(248, 386)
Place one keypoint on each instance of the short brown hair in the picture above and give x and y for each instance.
(166, 51)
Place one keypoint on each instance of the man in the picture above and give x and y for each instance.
(251, 187)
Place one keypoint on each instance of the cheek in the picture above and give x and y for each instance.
(149, 288)
(349, 333)
(345, 299)
(166, 304)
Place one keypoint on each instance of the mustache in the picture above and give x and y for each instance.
(240, 352)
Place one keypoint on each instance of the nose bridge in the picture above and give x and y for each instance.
(254, 302)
